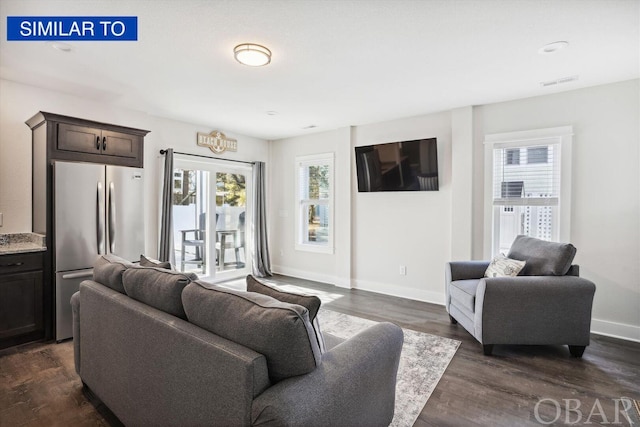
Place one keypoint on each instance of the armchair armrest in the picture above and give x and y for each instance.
(463, 270)
(534, 310)
(354, 385)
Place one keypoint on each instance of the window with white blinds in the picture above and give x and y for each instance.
(527, 188)
(314, 182)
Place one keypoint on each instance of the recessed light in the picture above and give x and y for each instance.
(310, 127)
(271, 113)
(62, 47)
(253, 55)
(552, 47)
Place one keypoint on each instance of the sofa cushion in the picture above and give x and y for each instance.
(464, 293)
(310, 302)
(150, 262)
(278, 330)
(158, 287)
(501, 266)
(108, 270)
(543, 258)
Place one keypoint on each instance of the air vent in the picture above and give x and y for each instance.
(559, 81)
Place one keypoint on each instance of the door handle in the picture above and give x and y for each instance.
(15, 264)
(100, 217)
(97, 142)
(104, 143)
(78, 275)
(112, 218)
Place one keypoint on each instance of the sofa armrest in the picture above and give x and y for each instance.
(75, 310)
(354, 385)
(534, 310)
(463, 270)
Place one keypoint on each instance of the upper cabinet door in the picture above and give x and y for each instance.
(93, 144)
(120, 144)
(80, 139)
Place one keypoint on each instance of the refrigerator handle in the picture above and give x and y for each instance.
(112, 218)
(100, 217)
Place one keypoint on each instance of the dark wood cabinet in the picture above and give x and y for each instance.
(60, 137)
(83, 139)
(21, 298)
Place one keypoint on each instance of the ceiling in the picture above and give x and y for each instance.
(335, 63)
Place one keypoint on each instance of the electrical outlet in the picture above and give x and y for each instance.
(403, 270)
(1, 219)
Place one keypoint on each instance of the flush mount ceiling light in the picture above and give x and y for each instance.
(252, 55)
(552, 47)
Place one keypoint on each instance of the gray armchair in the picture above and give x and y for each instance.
(546, 304)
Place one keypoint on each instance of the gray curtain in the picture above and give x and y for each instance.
(165, 251)
(260, 249)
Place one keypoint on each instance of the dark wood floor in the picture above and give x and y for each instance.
(39, 387)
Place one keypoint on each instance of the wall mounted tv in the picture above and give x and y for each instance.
(398, 166)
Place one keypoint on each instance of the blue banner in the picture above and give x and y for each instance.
(72, 28)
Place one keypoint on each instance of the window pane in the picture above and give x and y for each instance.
(231, 201)
(317, 223)
(513, 156)
(316, 182)
(539, 177)
(537, 155)
(189, 219)
(534, 221)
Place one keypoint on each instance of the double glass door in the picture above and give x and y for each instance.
(210, 217)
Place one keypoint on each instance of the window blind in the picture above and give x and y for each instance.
(528, 175)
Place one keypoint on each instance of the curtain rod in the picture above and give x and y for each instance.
(208, 157)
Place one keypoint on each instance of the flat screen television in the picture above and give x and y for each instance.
(398, 166)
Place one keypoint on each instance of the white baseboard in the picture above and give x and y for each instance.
(598, 327)
(311, 275)
(400, 291)
(615, 330)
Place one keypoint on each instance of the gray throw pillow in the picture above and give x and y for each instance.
(280, 331)
(108, 270)
(310, 302)
(543, 258)
(150, 262)
(157, 287)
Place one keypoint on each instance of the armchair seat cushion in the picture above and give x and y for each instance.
(463, 292)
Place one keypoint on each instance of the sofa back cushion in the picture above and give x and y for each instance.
(108, 270)
(310, 302)
(542, 258)
(150, 262)
(158, 287)
(278, 330)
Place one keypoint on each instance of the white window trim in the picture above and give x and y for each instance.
(312, 160)
(562, 135)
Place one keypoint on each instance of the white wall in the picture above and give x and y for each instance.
(375, 232)
(330, 268)
(605, 218)
(19, 102)
(413, 229)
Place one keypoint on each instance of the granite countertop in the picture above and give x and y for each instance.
(22, 242)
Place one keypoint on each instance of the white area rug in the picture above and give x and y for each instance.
(423, 360)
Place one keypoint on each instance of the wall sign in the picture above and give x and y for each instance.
(217, 142)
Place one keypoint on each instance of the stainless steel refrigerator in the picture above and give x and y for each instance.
(98, 209)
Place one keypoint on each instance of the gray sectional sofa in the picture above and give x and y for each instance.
(159, 348)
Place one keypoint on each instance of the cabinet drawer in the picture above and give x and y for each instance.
(15, 263)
